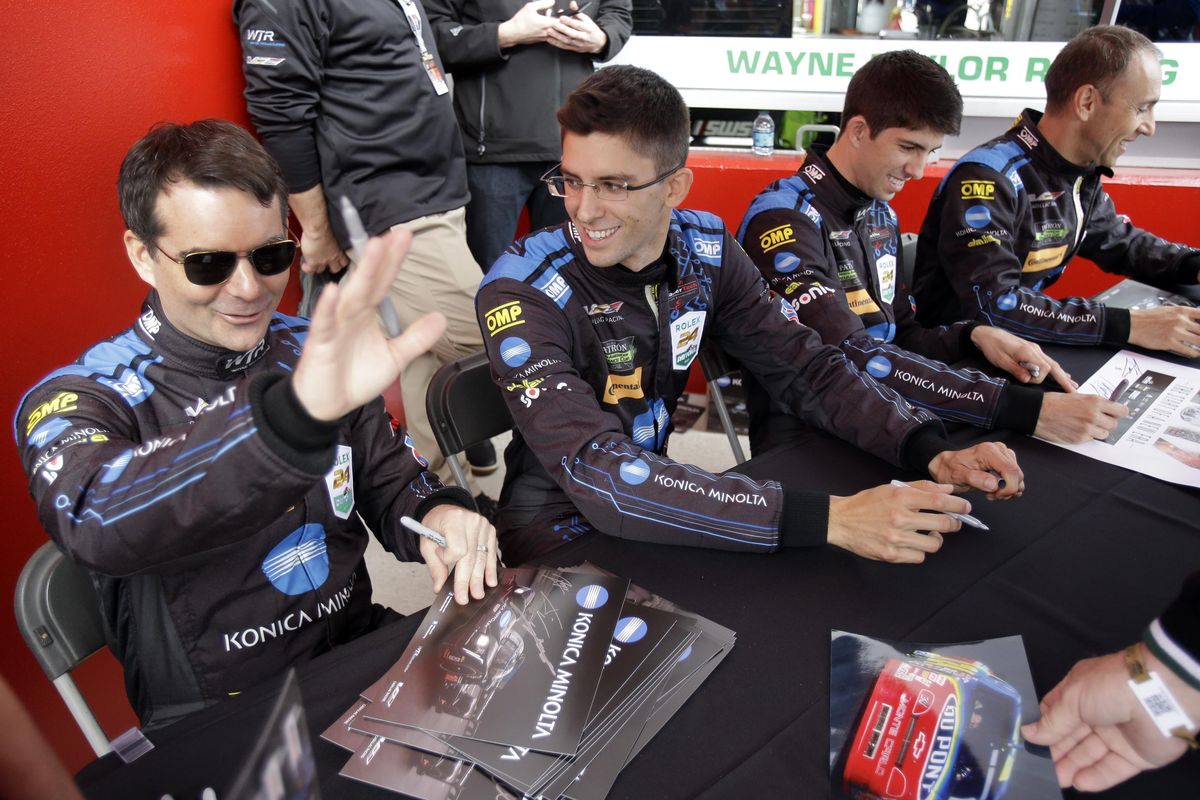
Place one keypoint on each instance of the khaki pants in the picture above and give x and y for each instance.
(439, 274)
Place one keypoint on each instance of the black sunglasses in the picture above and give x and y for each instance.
(211, 267)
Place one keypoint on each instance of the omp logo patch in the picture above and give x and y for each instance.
(776, 237)
(620, 386)
(60, 403)
(504, 316)
(977, 190)
(1044, 259)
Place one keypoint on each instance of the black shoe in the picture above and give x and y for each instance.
(488, 508)
(482, 458)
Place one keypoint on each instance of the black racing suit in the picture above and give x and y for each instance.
(834, 253)
(220, 522)
(1002, 227)
(593, 360)
(1175, 635)
(340, 97)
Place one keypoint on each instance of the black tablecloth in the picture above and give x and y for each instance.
(1078, 566)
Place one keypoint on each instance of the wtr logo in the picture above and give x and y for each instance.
(592, 596)
(630, 630)
(300, 563)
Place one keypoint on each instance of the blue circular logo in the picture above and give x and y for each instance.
(879, 367)
(514, 351)
(724, 381)
(300, 562)
(43, 433)
(635, 472)
(787, 262)
(978, 216)
(1007, 301)
(687, 651)
(591, 596)
(630, 630)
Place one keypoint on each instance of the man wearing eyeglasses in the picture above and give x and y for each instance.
(591, 329)
(217, 465)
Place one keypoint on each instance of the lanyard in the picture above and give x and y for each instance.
(413, 15)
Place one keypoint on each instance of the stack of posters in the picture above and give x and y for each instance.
(1161, 435)
(545, 688)
(910, 721)
(1131, 294)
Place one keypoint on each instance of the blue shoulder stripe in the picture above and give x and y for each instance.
(994, 155)
(789, 193)
(109, 363)
(545, 251)
(296, 327)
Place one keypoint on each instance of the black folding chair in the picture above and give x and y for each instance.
(908, 261)
(716, 366)
(58, 613)
(465, 407)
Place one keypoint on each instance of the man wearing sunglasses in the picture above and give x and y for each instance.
(217, 465)
(591, 328)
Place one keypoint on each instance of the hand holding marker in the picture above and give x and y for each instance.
(966, 519)
(358, 241)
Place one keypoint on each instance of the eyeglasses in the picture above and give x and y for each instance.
(211, 267)
(562, 186)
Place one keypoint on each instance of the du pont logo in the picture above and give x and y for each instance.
(591, 596)
(977, 190)
(941, 748)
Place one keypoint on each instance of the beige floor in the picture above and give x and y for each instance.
(406, 587)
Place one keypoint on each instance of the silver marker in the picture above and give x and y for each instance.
(966, 519)
(421, 530)
(1121, 387)
(358, 241)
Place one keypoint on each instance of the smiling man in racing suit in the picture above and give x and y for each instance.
(1009, 217)
(591, 328)
(209, 465)
(827, 240)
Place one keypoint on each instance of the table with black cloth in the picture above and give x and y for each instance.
(1078, 567)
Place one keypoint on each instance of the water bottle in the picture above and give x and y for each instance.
(763, 138)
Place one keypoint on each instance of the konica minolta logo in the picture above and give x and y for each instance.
(634, 472)
(630, 630)
(300, 563)
(879, 367)
(591, 596)
(514, 351)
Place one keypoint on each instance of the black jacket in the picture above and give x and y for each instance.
(506, 100)
(220, 522)
(593, 360)
(340, 98)
(834, 254)
(1175, 636)
(1004, 224)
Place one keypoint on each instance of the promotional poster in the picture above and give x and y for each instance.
(911, 721)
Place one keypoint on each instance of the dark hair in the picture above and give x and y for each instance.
(1097, 56)
(212, 153)
(635, 104)
(903, 89)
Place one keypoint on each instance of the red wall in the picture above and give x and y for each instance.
(78, 89)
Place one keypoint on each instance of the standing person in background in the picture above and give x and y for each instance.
(351, 101)
(513, 65)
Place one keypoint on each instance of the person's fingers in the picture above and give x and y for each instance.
(437, 570)
(417, 338)
(1061, 376)
(381, 261)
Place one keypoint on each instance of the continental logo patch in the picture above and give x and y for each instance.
(861, 303)
(503, 317)
(977, 190)
(60, 403)
(619, 386)
(776, 237)
(1046, 258)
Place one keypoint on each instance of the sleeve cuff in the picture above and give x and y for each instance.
(287, 428)
(297, 156)
(1116, 326)
(446, 496)
(922, 445)
(1188, 271)
(967, 346)
(1019, 407)
(805, 519)
(1168, 651)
